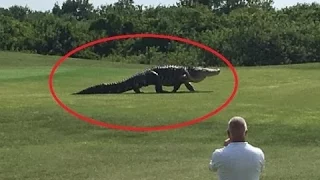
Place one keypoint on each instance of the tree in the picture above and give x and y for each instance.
(226, 6)
(81, 9)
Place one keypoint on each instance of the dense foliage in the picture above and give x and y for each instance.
(247, 32)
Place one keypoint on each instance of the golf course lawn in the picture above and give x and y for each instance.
(42, 141)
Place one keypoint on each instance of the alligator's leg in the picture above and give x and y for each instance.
(189, 86)
(158, 86)
(137, 85)
(137, 90)
(176, 87)
(183, 80)
(153, 78)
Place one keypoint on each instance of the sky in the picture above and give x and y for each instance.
(43, 5)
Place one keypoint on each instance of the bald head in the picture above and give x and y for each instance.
(237, 128)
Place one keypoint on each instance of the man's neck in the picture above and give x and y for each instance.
(238, 140)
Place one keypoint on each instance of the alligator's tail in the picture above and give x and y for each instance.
(113, 88)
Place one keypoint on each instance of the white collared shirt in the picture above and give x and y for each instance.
(238, 161)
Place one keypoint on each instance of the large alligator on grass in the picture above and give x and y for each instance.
(168, 75)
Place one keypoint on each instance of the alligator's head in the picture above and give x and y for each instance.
(198, 74)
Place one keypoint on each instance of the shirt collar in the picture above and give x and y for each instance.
(238, 143)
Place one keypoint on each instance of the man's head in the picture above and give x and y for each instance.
(237, 129)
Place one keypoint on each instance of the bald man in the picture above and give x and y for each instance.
(238, 160)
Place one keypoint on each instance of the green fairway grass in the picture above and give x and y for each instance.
(41, 141)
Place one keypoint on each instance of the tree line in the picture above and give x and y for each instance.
(246, 32)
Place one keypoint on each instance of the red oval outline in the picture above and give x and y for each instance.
(143, 128)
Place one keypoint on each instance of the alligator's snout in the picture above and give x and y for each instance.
(212, 72)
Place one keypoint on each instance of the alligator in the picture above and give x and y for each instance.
(159, 76)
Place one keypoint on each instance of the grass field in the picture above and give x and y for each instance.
(39, 140)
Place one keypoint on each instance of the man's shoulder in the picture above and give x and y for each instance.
(218, 152)
(255, 149)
